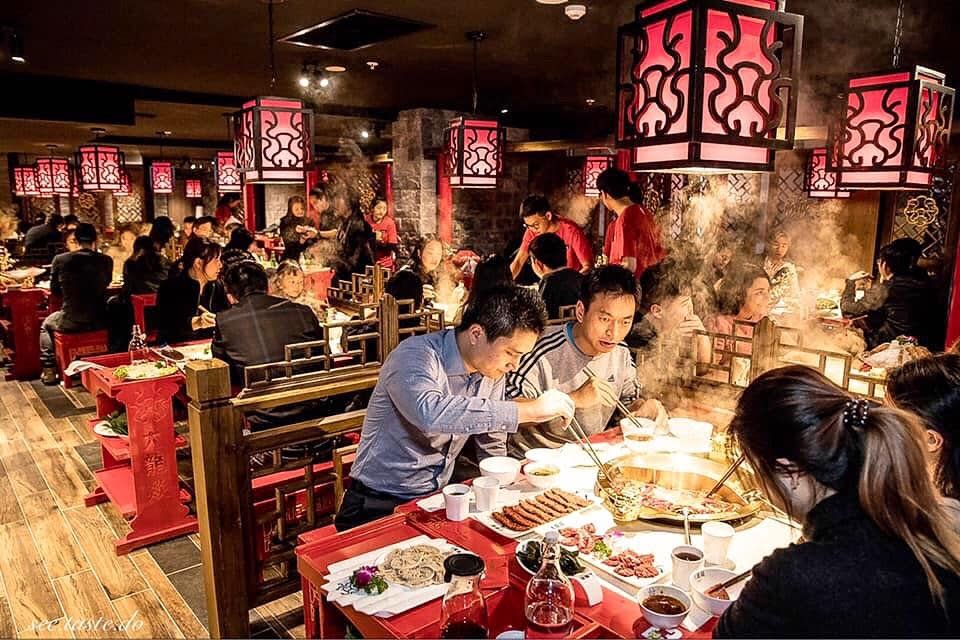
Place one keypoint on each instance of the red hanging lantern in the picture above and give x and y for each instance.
(25, 182)
(708, 86)
(474, 153)
(273, 140)
(228, 176)
(895, 131)
(819, 180)
(593, 166)
(124, 189)
(161, 176)
(53, 176)
(99, 167)
(194, 190)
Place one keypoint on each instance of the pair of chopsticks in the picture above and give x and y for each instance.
(726, 476)
(623, 409)
(728, 583)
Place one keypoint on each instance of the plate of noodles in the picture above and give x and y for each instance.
(412, 571)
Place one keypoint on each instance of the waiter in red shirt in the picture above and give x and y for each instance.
(385, 229)
(538, 218)
(633, 238)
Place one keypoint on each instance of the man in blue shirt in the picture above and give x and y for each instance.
(437, 390)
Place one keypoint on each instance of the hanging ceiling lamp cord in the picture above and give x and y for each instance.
(273, 59)
(898, 36)
(476, 47)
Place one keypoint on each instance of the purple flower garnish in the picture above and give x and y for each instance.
(364, 576)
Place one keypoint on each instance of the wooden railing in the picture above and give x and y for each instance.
(254, 497)
(361, 294)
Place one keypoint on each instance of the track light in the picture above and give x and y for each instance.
(324, 82)
(304, 81)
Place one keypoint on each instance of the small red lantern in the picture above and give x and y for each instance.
(194, 190)
(124, 189)
(475, 153)
(708, 86)
(161, 176)
(53, 176)
(895, 131)
(593, 166)
(99, 167)
(228, 176)
(819, 180)
(273, 140)
(25, 182)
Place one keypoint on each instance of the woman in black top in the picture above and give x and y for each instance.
(295, 229)
(881, 556)
(179, 313)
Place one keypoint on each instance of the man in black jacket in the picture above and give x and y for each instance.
(256, 329)
(355, 238)
(43, 240)
(80, 278)
(559, 285)
(904, 303)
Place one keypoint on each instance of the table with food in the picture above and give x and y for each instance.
(631, 532)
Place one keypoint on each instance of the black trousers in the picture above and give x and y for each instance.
(362, 505)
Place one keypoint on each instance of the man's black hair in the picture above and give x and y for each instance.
(660, 283)
(503, 310)
(204, 220)
(550, 249)
(86, 234)
(71, 219)
(54, 220)
(190, 219)
(609, 279)
(534, 205)
(901, 255)
(245, 278)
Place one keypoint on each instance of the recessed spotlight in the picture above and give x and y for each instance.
(504, 110)
(364, 134)
(324, 82)
(591, 101)
(552, 1)
(304, 81)
(373, 64)
(16, 49)
(335, 68)
(193, 165)
(166, 132)
(575, 11)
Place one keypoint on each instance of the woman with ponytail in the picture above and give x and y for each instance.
(880, 555)
(632, 239)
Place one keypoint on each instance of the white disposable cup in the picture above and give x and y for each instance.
(683, 569)
(716, 541)
(486, 490)
(456, 498)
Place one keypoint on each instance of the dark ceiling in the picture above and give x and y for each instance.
(536, 62)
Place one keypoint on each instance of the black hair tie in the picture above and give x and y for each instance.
(855, 414)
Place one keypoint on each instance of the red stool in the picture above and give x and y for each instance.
(141, 302)
(69, 346)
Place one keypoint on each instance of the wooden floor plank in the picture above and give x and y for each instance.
(8, 429)
(28, 586)
(176, 606)
(21, 468)
(285, 613)
(83, 600)
(7, 628)
(36, 433)
(9, 507)
(147, 608)
(63, 477)
(116, 573)
(83, 430)
(55, 541)
(55, 629)
(116, 521)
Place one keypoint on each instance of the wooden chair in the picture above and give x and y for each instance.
(141, 302)
(343, 458)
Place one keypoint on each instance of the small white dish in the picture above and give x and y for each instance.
(542, 475)
(503, 468)
(702, 579)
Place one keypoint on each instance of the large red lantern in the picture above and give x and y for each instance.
(99, 167)
(474, 153)
(161, 176)
(895, 131)
(708, 86)
(194, 189)
(228, 176)
(273, 140)
(53, 176)
(819, 180)
(25, 182)
(593, 166)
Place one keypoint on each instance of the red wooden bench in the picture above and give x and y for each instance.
(68, 347)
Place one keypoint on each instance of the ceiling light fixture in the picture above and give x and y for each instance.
(99, 166)
(590, 101)
(228, 176)
(474, 146)
(819, 180)
(161, 171)
(194, 189)
(708, 86)
(324, 82)
(304, 81)
(53, 174)
(372, 65)
(504, 110)
(551, 1)
(593, 166)
(364, 134)
(575, 11)
(25, 182)
(335, 68)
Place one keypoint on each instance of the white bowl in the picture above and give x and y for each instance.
(663, 620)
(635, 425)
(541, 482)
(703, 579)
(503, 468)
(540, 454)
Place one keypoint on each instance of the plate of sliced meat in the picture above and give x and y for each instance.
(533, 511)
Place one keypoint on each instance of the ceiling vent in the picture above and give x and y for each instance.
(354, 30)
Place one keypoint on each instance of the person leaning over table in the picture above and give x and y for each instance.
(604, 315)
(881, 555)
(437, 390)
(538, 218)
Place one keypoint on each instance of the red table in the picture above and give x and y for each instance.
(615, 617)
(27, 309)
(139, 474)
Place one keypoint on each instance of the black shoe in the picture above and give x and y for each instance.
(49, 377)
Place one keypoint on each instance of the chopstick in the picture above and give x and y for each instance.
(726, 476)
(730, 582)
(623, 409)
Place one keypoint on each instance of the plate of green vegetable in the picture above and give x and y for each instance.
(530, 556)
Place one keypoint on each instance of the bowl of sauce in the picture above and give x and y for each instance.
(542, 475)
(664, 606)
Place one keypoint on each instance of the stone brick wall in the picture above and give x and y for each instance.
(485, 220)
(275, 200)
